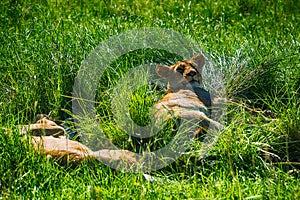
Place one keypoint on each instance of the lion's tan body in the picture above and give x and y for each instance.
(182, 104)
(55, 144)
(182, 101)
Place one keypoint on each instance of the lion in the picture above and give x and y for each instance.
(185, 98)
(49, 138)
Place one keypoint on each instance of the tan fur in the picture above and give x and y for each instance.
(52, 143)
(183, 75)
(182, 101)
(44, 127)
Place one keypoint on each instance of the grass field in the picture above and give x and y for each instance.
(254, 43)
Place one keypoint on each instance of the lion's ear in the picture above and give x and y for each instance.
(198, 60)
(163, 71)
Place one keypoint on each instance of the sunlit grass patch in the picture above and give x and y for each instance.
(255, 44)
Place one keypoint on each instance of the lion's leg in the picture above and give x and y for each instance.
(196, 114)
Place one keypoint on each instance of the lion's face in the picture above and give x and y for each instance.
(183, 75)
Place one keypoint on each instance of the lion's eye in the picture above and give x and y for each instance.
(180, 69)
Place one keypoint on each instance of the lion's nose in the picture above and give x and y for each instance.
(191, 73)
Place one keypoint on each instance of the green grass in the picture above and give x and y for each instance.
(255, 44)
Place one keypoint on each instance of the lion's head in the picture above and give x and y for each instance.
(183, 75)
